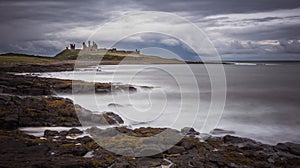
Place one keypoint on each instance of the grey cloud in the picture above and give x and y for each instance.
(24, 23)
(213, 7)
(45, 27)
(273, 32)
(256, 27)
(292, 46)
(284, 49)
(266, 19)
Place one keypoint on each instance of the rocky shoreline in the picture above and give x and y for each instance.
(69, 149)
(27, 101)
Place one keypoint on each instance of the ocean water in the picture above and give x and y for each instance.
(261, 102)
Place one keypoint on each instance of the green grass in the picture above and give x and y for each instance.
(24, 59)
(73, 54)
(66, 55)
(112, 56)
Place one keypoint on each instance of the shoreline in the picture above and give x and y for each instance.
(22, 106)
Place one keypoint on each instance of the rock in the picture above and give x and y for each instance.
(152, 150)
(63, 133)
(146, 87)
(176, 149)
(147, 162)
(85, 139)
(49, 111)
(4, 99)
(218, 131)
(80, 151)
(236, 140)
(187, 143)
(113, 118)
(9, 121)
(52, 67)
(74, 131)
(189, 131)
(93, 130)
(48, 133)
(148, 131)
(121, 163)
(271, 160)
(289, 147)
(69, 148)
(114, 105)
(125, 151)
(108, 132)
(18, 149)
(23, 85)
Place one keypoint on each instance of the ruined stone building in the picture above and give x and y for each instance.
(89, 47)
(93, 47)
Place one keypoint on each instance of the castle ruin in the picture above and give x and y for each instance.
(72, 46)
(89, 47)
(94, 48)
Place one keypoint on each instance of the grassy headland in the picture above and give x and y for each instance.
(23, 58)
(71, 55)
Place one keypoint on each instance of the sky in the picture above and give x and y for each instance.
(238, 30)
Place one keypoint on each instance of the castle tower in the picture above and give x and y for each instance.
(84, 47)
(72, 46)
(94, 47)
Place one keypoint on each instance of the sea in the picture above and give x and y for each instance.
(252, 100)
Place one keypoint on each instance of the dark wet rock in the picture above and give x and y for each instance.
(113, 118)
(49, 111)
(176, 149)
(27, 85)
(75, 131)
(85, 139)
(218, 131)
(109, 132)
(18, 149)
(93, 119)
(10, 121)
(146, 87)
(154, 151)
(148, 162)
(187, 143)
(37, 67)
(189, 131)
(93, 130)
(236, 140)
(79, 151)
(147, 131)
(121, 163)
(55, 112)
(102, 133)
(117, 88)
(63, 133)
(289, 147)
(49, 133)
(114, 105)
(23, 85)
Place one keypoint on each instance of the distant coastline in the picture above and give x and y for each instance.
(112, 57)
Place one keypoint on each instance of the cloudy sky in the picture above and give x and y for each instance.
(257, 29)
